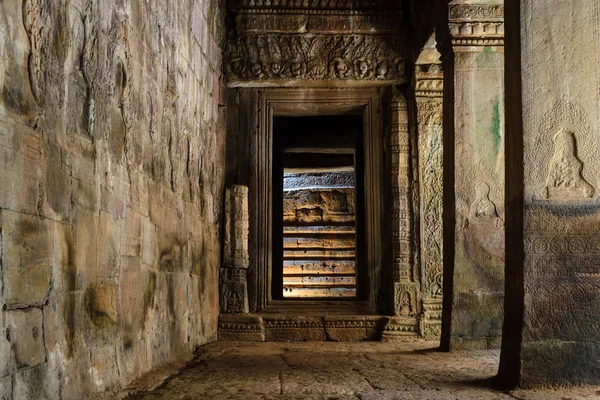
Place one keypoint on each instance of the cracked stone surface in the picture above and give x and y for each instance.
(329, 370)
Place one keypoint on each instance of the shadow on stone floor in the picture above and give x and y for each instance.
(343, 371)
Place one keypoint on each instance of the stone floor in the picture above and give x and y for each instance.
(330, 370)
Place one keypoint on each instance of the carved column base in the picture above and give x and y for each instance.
(431, 320)
(400, 329)
(234, 291)
(241, 327)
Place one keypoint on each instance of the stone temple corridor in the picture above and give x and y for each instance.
(280, 199)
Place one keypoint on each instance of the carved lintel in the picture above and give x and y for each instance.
(284, 57)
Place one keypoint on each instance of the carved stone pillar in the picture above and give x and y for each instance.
(473, 61)
(429, 96)
(405, 289)
(234, 291)
(551, 330)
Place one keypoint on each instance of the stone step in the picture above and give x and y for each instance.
(308, 231)
(316, 292)
(319, 281)
(312, 267)
(318, 242)
(319, 255)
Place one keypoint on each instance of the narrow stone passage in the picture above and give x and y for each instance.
(341, 371)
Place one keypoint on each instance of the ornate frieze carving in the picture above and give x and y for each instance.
(316, 57)
(261, 23)
(316, 6)
(476, 24)
(477, 12)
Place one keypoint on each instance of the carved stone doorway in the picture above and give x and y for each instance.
(251, 128)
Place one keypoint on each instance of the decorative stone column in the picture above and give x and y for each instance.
(234, 291)
(473, 61)
(405, 288)
(429, 96)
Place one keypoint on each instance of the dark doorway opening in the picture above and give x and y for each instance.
(318, 208)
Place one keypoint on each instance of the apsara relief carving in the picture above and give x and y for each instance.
(565, 180)
(483, 207)
(564, 128)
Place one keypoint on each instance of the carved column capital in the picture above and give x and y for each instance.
(474, 25)
(479, 24)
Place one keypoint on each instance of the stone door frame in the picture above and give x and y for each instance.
(271, 102)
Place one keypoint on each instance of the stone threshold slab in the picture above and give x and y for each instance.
(338, 328)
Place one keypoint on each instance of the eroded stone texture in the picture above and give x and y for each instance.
(111, 147)
(473, 57)
(560, 242)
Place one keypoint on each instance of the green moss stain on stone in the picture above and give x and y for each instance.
(496, 127)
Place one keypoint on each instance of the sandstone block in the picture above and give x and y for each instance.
(345, 328)
(374, 327)
(27, 258)
(104, 367)
(25, 332)
(6, 388)
(40, 382)
(109, 245)
(101, 303)
(64, 318)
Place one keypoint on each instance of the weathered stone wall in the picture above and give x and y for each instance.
(557, 208)
(111, 180)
